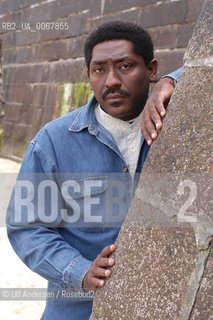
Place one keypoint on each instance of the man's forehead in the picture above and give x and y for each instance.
(112, 49)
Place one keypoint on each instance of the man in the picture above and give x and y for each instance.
(71, 245)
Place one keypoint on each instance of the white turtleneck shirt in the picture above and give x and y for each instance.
(127, 136)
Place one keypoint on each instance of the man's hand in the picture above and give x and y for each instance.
(154, 110)
(98, 270)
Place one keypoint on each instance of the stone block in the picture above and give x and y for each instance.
(126, 16)
(16, 93)
(27, 116)
(164, 258)
(18, 56)
(184, 33)
(67, 7)
(8, 130)
(163, 14)
(4, 7)
(9, 40)
(7, 147)
(2, 31)
(194, 7)
(45, 11)
(37, 116)
(164, 36)
(56, 50)
(41, 107)
(95, 8)
(15, 18)
(48, 115)
(8, 75)
(38, 94)
(22, 74)
(15, 138)
(23, 38)
(69, 71)
(29, 74)
(20, 132)
(50, 95)
(9, 22)
(20, 4)
(43, 101)
(133, 15)
(77, 25)
(169, 61)
(75, 47)
(112, 6)
(22, 139)
(49, 109)
(12, 111)
(50, 51)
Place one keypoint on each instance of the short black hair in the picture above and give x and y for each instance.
(121, 30)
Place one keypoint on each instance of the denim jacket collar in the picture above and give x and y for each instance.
(85, 118)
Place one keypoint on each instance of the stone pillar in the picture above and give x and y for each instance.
(164, 256)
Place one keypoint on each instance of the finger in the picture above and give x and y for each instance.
(146, 135)
(160, 107)
(100, 272)
(94, 283)
(104, 262)
(155, 118)
(107, 251)
(148, 126)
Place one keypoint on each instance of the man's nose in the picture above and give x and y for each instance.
(112, 79)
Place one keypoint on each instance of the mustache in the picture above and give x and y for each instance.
(119, 91)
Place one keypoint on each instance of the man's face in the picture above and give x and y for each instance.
(119, 78)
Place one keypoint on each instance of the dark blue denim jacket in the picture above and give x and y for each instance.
(77, 145)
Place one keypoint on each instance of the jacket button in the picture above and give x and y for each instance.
(125, 169)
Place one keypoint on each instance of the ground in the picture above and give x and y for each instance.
(13, 273)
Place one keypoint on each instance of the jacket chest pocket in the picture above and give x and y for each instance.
(85, 201)
(87, 187)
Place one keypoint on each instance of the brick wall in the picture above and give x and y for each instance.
(43, 70)
(1, 101)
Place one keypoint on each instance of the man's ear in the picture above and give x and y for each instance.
(153, 69)
(89, 79)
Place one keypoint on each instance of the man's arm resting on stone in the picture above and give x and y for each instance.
(155, 108)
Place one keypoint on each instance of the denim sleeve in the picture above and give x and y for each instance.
(43, 247)
(175, 75)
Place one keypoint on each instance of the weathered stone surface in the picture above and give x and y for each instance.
(164, 257)
(200, 45)
(203, 308)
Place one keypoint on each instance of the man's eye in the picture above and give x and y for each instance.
(98, 70)
(125, 66)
